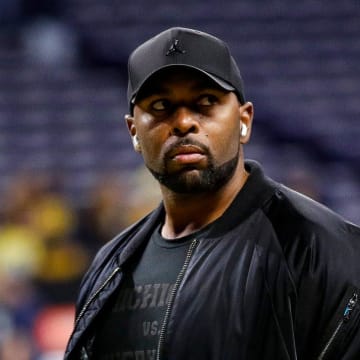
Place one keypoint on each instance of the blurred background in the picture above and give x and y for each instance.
(69, 179)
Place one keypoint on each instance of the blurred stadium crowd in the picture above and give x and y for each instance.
(69, 180)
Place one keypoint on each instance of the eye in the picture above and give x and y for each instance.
(207, 100)
(160, 105)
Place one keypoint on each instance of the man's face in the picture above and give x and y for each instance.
(188, 129)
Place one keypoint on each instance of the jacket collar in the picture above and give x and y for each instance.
(257, 190)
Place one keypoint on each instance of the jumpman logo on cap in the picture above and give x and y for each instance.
(174, 48)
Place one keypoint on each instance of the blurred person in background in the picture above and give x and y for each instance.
(231, 264)
(105, 213)
(22, 252)
(40, 260)
(17, 344)
(37, 236)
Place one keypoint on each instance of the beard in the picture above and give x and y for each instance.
(191, 180)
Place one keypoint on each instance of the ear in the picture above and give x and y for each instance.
(246, 117)
(132, 131)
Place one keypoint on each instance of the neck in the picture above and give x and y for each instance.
(187, 213)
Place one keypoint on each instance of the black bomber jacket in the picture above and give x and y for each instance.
(276, 278)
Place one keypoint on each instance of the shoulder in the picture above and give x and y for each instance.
(294, 221)
(298, 214)
(313, 238)
(114, 246)
(108, 255)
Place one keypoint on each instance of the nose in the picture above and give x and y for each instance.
(185, 121)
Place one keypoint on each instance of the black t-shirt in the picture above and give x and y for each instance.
(130, 325)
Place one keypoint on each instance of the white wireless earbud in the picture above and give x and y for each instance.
(243, 130)
(136, 144)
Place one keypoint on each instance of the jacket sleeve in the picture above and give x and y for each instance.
(322, 252)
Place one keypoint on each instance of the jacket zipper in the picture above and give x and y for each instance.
(95, 294)
(345, 318)
(172, 297)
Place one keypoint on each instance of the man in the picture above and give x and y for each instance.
(231, 265)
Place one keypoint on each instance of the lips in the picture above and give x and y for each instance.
(186, 154)
(185, 150)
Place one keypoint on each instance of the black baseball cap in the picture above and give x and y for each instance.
(188, 48)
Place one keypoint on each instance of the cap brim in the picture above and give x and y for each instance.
(222, 83)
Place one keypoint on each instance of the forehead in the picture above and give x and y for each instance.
(168, 79)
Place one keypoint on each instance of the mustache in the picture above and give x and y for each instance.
(185, 142)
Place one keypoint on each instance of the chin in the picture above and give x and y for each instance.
(192, 180)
